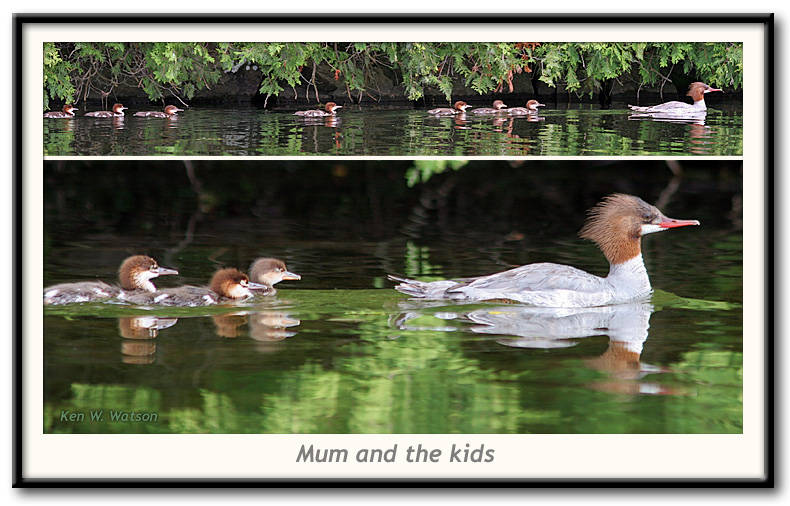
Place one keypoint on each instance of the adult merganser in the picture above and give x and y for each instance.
(170, 112)
(329, 110)
(616, 225)
(531, 108)
(66, 112)
(135, 276)
(675, 108)
(117, 110)
(226, 285)
(268, 272)
(498, 105)
(459, 107)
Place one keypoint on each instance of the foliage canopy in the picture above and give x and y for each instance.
(72, 71)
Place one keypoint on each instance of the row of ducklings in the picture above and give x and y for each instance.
(499, 107)
(135, 277)
(696, 91)
(460, 107)
(329, 110)
(116, 112)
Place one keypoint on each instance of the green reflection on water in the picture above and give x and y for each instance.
(560, 131)
(348, 369)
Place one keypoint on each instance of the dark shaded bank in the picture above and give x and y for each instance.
(242, 88)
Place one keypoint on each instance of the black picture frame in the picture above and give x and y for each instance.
(19, 22)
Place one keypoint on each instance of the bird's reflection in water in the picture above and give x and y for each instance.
(460, 121)
(228, 325)
(551, 328)
(270, 328)
(267, 328)
(700, 135)
(325, 121)
(532, 118)
(694, 119)
(264, 326)
(138, 333)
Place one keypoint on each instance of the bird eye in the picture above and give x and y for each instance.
(153, 267)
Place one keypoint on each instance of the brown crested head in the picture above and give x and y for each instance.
(460, 105)
(231, 283)
(134, 270)
(171, 110)
(697, 90)
(533, 104)
(331, 107)
(67, 108)
(498, 104)
(118, 107)
(615, 225)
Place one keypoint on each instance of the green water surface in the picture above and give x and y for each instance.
(560, 130)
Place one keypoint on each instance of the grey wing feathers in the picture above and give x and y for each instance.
(534, 277)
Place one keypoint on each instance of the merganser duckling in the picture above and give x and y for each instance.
(268, 272)
(531, 108)
(66, 112)
(135, 275)
(226, 285)
(498, 105)
(697, 91)
(329, 110)
(459, 107)
(616, 225)
(117, 110)
(170, 112)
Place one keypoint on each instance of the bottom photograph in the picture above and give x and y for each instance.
(393, 296)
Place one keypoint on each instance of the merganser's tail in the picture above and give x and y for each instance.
(410, 286)
(422, 289)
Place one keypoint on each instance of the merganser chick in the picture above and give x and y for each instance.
(226, 285)
(329, 110)
(66, 112)
(135, 275)
(498, 105)
(170, 112)
(117, 110)
(616, 225)
(531, 108)
(459, 107)
(697, 91)
(268, 272)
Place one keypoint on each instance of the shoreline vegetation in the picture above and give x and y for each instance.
(272, 74)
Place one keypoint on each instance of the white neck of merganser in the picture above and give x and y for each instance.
(630, 277)
(700, 104)
(142, 280)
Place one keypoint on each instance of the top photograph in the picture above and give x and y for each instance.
(492, 99)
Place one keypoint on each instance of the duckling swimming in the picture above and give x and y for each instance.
(227, 285)
(268, 272)
(135, 276)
